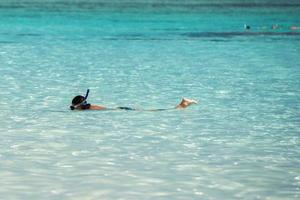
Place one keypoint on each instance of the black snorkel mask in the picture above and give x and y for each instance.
(83, 105)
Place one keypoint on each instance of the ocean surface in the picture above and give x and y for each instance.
(242, 141)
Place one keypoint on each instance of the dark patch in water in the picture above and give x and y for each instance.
(7, 42)
(29, 35)
(167, 29)
(136, 38)
(218, 40)
(209, 36)
(236, 34)
(130, 35)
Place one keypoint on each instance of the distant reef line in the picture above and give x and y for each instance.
(154, 4)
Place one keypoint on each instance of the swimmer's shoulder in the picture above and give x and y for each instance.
(96, 107)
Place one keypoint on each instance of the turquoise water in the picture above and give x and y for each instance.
(242, 141)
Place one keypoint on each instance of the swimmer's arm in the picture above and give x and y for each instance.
(96, 107)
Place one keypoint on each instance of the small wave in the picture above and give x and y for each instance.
(28, 35)
(7, 42)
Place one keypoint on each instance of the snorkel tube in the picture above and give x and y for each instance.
(87, 94)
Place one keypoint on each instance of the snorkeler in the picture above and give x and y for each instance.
(79, 103)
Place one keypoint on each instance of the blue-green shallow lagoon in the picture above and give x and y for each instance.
(242, 141)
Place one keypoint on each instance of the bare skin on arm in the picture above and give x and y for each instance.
(96, 107)
(183, 104)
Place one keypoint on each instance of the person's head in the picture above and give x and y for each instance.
(79, 102)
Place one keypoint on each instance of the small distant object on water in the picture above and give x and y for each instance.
(247, 27)
(294, 27)
(274, 26)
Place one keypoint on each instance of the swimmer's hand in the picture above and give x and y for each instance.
(185, 102)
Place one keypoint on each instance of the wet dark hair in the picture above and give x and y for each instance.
(78, 99)
(81, 100)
